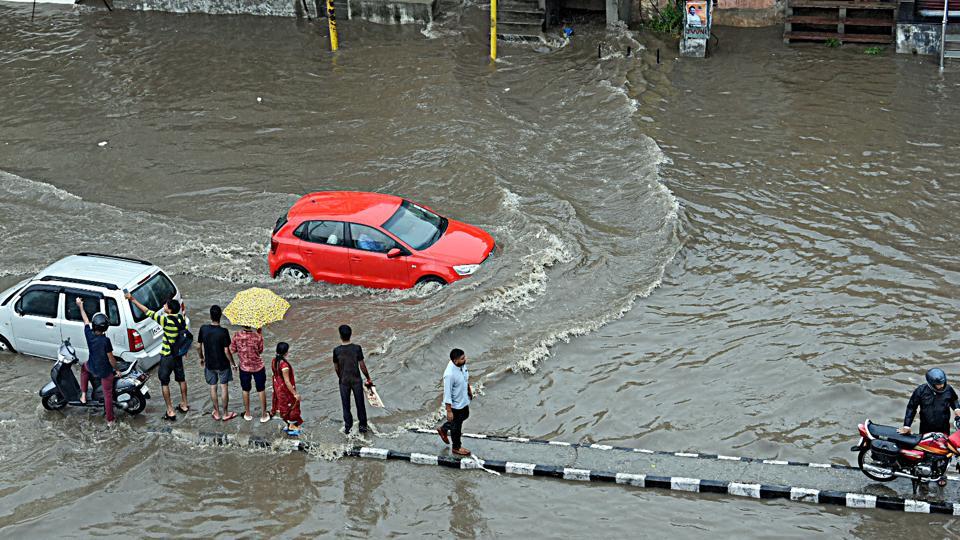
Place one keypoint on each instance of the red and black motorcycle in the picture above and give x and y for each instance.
(885, 454)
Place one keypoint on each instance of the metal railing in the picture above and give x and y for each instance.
(943, 32)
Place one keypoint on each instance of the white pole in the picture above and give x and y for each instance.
(943, 33)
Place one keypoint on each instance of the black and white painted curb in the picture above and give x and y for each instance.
(607, 447)
(673, 483)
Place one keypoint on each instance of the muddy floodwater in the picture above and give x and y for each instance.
(743, 255)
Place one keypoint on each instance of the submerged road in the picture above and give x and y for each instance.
(758, 478)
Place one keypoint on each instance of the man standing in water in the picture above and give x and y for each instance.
(213, 344)
(936, 400)
(456, 399)
(348, 363)
(171, 363)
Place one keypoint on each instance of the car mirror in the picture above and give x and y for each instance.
(394, 253)
(18, 307)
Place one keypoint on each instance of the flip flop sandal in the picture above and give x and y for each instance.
(247, 417)
(184, 411)
(264, 419)
(229, 416)
(169, 418)
(216, 417)
(292, 432)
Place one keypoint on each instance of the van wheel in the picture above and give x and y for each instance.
(5, 345)
(426, 280)
(292, 271)
(54, 402)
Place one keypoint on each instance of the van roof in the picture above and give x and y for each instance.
(92, 267)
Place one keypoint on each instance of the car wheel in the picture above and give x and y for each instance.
(5, 345)
(292, 271)
(54, 402)
(426, 280)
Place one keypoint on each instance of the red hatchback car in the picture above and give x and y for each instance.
(373, 240)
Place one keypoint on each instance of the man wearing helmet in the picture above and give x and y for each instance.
(936, 399)
(100, 361)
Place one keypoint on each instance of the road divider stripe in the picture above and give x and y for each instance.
(692, 485)
(607, 448)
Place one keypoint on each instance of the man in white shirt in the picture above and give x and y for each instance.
(456, 399)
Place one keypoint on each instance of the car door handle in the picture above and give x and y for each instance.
(309, 252)
(50, 324)
(356, 259)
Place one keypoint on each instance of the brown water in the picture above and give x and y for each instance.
(746, 254)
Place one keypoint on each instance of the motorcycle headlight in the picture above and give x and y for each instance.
(466, 269)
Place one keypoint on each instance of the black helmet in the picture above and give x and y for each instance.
(936, 376)
(99, 323)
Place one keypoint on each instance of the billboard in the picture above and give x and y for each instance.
(696, 19)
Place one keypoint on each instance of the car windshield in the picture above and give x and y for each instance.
(416, 226)
(154, 293)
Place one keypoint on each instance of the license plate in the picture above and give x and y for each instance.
(157, 331)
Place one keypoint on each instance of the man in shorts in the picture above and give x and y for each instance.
(171, 321)
(216, 359)
(248, 344)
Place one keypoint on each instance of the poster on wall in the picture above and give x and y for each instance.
(696, 19)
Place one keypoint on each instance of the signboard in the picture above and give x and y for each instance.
(696, 19)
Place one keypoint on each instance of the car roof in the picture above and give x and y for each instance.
(354, 206)
(96, 268)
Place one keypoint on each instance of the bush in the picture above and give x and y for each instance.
(874, 51)
(667, 20)
(833, 43)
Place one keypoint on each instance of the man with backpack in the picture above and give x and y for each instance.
(176, 341)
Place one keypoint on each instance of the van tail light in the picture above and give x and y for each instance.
(134, 340)
(274, 245)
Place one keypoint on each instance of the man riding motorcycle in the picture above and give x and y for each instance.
(936, 398)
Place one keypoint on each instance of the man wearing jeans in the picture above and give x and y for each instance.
(456, 399)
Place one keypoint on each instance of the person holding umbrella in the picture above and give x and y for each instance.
(253, 309)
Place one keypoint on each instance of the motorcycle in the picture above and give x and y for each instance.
(885, 454)
(129, 391)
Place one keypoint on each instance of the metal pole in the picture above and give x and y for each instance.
(943, 33)
(332, 22)
(493, 29)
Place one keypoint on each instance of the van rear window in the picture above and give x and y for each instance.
(154, 293)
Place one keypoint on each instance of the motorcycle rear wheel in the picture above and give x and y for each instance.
(53, 402)
(862, 460)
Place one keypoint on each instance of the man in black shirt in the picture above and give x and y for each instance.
(348, 363)
(213, 343)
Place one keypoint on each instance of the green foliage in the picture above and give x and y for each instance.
(667, 20)
(833, 43)
(874, 51)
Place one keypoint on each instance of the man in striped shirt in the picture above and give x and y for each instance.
(171, 320)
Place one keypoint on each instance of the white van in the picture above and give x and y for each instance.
(37, 314)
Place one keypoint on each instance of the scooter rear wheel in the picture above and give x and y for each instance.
(135, 404)
(54, 402)
(863, 459)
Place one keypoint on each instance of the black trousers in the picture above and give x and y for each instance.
(359, 398)
(455, 427)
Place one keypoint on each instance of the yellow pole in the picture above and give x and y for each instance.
(493, 29)
(332, 22)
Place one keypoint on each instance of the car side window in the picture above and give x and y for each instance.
(39, 303)
(323, 232)
(113, 312)
(90, 304)
(370, 239)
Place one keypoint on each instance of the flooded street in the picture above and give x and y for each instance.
(747, 255)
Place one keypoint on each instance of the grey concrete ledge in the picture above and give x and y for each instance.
(378, 11)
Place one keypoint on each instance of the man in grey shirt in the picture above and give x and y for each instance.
(456, 399)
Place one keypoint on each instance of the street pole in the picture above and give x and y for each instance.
(332, 22)
(493, 29)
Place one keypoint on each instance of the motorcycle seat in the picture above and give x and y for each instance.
(889, 433)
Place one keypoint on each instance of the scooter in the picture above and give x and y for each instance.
(885, 454)
(129, 391)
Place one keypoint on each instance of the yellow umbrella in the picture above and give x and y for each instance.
(256, 307)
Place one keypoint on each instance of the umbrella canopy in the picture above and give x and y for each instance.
(256, 308)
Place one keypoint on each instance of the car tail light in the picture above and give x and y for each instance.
(134, 340)
(274, 245)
